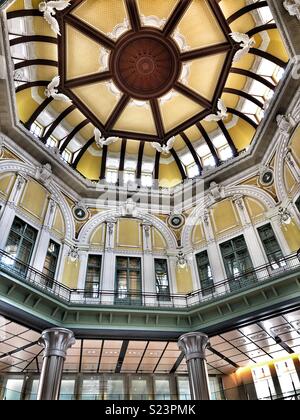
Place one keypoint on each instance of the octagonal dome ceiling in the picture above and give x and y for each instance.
(145, 71)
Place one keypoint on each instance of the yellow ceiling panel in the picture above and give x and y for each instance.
(209, 126)
(193, 134)
(179, 144)
(230, 100)
(276, 46)
(246, 62)
(169, 174)
(244, 24)
(132, 147)
(35, 3)
(103, 15)
(83, 54)
(25, 105)
(115, 147)
(45, 72)
(159, 8)
(98, 99)
(236, 81)
(87, 132)
(41, 27)
(242, 134)
(16, 5)
(74, 118)
(149, 150)
(90, 166)
(177, 110)
(231, 6)
(58, 106)
(136, 118)
(199, 26)
(205, 73)
(45, 50)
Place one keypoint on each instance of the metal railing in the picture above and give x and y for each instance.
(235, 284)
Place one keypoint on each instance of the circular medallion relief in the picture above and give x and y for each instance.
(176, 221)
(145, 65)
(80, 213)
(267, 178)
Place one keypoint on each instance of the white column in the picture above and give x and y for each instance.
(254, 245)
(173, 274)
(277, 228)
(83, 258)
(148, 266)
(63, 258)
(109, 263)
(44, 237)
(214, 256)
(9, 212)
(194, 271)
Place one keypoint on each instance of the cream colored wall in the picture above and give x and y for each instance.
(58, 226)
(224, 217)
(6, 184)
(34, 200)
(98, 236)
(158, 241)
(291, 183)
(184, 280)
(292, 235)
(70, 273)
(129, 234)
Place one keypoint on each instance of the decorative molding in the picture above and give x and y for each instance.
(97, 220)
(29, 170)
(292, 7)
(283, 141)
(231, 191)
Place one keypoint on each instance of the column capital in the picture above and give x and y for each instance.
(56, 342)
(193, 345)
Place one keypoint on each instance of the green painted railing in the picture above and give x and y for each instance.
(236, 284)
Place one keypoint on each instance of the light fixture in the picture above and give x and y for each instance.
(285, 216)
(181, 260)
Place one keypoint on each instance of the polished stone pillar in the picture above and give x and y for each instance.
(296, 361)
(194, 345)
(56, 342)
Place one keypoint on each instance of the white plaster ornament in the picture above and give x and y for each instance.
(221, 115)
(164, 149)
(246, 44)
(52, 92)
(49, 11)
(102, 141)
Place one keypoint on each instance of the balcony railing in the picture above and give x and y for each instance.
(235, 284)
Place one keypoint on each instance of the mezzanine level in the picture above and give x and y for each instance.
(274, 284)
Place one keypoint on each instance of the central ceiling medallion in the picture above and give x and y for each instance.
(145, 65)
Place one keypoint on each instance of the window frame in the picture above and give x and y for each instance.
(244, 278)
(91, 292)
(33, 242)
(164, 297)
(57, 262)
(210, 288)
(130, 296)
(276, 260)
